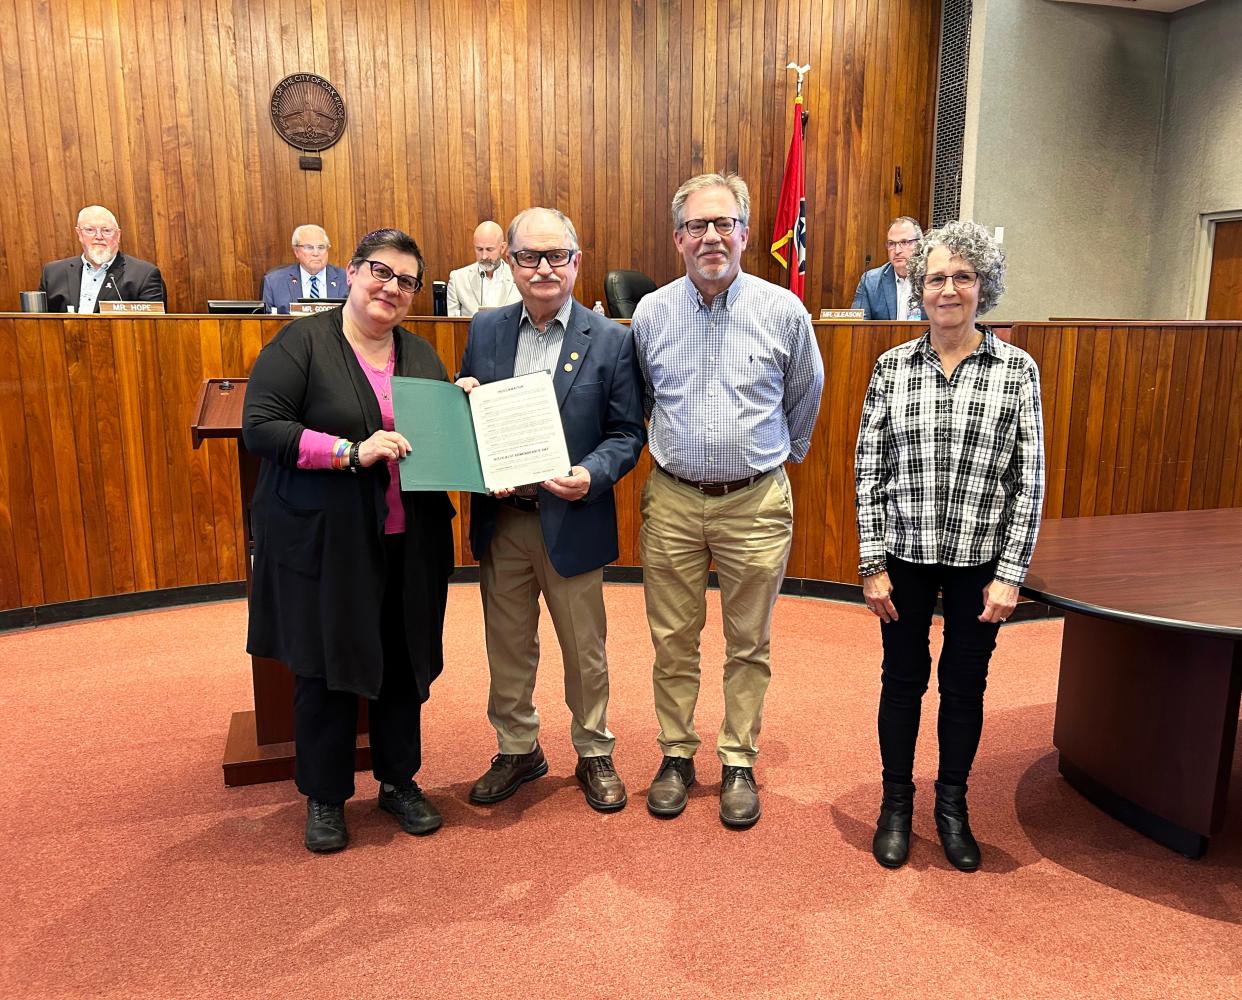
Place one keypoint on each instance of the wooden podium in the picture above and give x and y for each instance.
(260, 742)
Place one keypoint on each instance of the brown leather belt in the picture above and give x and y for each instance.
(715, 489)
(529, 505)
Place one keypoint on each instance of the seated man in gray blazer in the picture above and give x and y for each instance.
(312, 277)
(488, 282)
(884, 292)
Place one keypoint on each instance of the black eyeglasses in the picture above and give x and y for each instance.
(530, 258)
(723, 226)
(961, 281)
(384, 274)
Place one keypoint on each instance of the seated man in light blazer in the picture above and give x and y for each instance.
(101, 271)
(884, 292)
(312, 277)
(488, 282)
(553, 538)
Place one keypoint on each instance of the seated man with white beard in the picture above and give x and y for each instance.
(488, 282)
(77, 284)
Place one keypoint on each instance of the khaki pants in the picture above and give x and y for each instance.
(748, 534)
(512, 574)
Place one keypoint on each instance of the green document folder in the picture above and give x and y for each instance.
(435, 418)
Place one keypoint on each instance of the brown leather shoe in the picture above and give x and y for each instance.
(604, 788)
(670, 788)
(739, 801)
(507, 774)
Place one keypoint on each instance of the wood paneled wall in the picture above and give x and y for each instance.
(101, 492)
(457, 111)
(1139, 417)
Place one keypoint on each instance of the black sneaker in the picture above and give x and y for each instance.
(415, 814)
(325, 826)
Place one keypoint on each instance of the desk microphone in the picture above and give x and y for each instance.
(867, 263)
(115, 291)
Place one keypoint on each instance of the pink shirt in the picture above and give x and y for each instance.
(315, 447)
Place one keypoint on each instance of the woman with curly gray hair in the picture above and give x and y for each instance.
(949, 480)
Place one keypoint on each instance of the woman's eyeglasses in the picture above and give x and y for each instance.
(961, 281)
(384, 274)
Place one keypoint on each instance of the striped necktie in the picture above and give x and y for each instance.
(314, 286)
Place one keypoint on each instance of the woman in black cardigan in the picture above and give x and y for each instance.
(350, 574)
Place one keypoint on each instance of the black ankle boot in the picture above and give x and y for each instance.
(959, 844)
(891, 844)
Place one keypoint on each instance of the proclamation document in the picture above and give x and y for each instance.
(518, 428)
(501, 435)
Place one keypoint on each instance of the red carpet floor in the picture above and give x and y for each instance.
(128, 870)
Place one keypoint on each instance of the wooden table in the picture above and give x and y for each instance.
(1151, 664)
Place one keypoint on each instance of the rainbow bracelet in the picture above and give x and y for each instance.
(340, 453)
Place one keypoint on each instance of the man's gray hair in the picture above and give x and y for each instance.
(98, 208)
(730, 182)
(918, 230)
(564, 219)
(973, 243)
(294, 241)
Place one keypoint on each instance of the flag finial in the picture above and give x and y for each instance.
(801, 71)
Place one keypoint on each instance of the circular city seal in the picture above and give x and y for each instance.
(308, 112)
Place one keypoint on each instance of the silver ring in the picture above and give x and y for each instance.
(1002, 619)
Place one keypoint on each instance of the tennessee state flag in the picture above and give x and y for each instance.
(789, 233)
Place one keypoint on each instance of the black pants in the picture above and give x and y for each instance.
(962, 673)
(325, 722)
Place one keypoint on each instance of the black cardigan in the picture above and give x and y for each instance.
(319, 562)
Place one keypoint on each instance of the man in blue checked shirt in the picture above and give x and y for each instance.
(733, 378)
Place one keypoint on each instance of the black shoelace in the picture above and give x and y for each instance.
(509, 758)
(323, 812)
(601, 765)
(409, 793)
(673, 764)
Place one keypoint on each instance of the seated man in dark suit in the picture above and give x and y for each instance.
(884, 292)
(76, 284)
(553, 538)
(312, 277)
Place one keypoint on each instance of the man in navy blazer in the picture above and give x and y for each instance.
(553, 538)
(884, 292)
(312, 277)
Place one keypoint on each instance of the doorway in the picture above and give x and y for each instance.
(1224, 297)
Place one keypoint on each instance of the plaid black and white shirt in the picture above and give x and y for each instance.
(951, 470)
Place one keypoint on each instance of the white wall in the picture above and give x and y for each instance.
(1062, 143)
(1200, 164)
